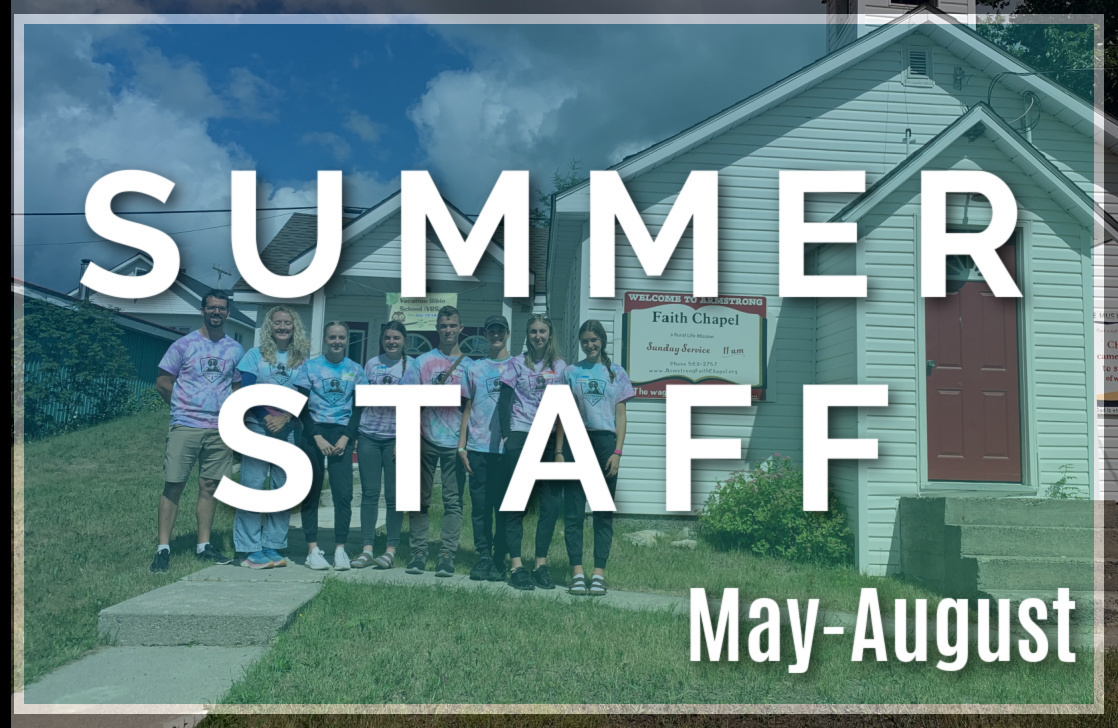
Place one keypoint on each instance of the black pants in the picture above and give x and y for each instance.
(604, 444)
(487, 489)
(340, 468)
(376, 456)
(550, 499)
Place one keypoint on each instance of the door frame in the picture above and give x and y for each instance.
(1025, 378)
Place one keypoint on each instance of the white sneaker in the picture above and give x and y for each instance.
(341, 560)
(317, 560)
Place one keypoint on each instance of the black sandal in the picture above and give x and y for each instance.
(577, 587)
(597, 586)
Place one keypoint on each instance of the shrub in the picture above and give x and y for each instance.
(77, 370)
(761, 510)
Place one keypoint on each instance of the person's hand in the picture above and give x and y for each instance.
(340, 445)
(612, 465)
(465, 461)
(323, 447)
(275, 423)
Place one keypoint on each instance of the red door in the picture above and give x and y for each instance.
(974, 416)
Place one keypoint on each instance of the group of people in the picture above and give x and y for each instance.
(482, 438)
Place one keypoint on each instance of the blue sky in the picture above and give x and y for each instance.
(193, 102)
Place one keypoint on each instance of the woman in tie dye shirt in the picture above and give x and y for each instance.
(283, 349)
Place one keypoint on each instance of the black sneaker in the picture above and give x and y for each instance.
(161, 564)
(418, 563)
(541, 577)
(214, 556)
(521, 580)
(497, 571)
(445, 566)
(480, 572)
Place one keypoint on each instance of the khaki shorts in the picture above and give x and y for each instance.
(189, 445)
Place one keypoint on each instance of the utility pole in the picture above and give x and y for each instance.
(220, 272)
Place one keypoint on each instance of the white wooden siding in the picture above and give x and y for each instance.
(869, 109)
(1054, 326)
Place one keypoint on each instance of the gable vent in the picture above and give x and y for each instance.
(918, 63)
(918, 71)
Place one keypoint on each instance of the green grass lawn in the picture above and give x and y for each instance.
(90, 516)
(375, 644)
(670, 570)
(90, 529)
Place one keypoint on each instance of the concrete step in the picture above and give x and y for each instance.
(1027, 512)
(205, 613)
(196, 675)
(1033, 573)
(1066, 541)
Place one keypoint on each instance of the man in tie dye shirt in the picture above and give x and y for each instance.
(196, 375)
(439, 428)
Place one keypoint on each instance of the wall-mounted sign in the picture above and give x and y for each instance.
(1106, 362)
(673, 338)
(418, 314)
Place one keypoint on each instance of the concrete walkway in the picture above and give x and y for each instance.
(179, 648)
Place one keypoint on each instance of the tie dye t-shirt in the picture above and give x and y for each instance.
(529, 385)
(482, 386)
(597, 396)
(438, 425)
(205, 372)
(380, 422)
(255, 364)
(331, 388)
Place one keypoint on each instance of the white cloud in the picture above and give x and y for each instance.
(365, 128)
(538, 97)
(85, 118)
(338, 147)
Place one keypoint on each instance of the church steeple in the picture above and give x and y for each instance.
(849, 20)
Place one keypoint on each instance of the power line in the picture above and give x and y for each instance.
(351, 210)
(102, 240)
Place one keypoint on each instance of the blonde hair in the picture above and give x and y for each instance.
(551, 349)
(297, 351)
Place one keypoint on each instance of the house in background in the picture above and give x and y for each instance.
(369, 272)
(987, 396)
(179, 307)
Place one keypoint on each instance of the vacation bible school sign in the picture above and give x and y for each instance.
(678, 339)
(418, 314)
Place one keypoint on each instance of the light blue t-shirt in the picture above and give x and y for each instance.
(596, 395)
(266, 373)
(331, 388)
(482, 386)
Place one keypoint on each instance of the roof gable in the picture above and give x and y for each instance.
(186, 287)
(943, 29)
(979, 121)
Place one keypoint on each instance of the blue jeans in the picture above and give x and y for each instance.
(254, 532)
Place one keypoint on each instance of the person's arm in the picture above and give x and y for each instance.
(464, 433)
(310, 427)
(164, 383)
(261, 413)
(350, 429)
(504, 410)
(614, 461)
(560, 438)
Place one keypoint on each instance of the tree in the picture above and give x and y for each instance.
(541, 213)
(1065, 53)
(76, 367)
